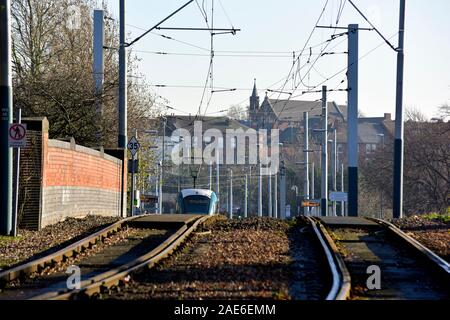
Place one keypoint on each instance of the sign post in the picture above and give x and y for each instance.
(339, 196)
(310, 204)
(134, 146)
(18, 136)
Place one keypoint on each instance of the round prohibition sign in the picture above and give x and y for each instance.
(17, 132)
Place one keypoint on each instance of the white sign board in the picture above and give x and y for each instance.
(17, 135)
(288, 211)
(133, 145)
(339, 196)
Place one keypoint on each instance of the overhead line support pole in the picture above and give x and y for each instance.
(6, 168)
(122, 80)
(334, 167)
(352, 128)
(399, 127)
(306, 153)
(324, 162)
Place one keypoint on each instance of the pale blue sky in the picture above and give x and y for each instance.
(283, 26)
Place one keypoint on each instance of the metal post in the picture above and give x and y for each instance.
(249, 205)
(275, 197)
(352, 132)
(98, 67)
(282, 191)
(16, 181)
(270, 195)
(210, 176)
(122, 80)
(162, 166)
(122, 110)
(218, 178)
(306, 153)
(381, 204)
(398, 146)
(231, 193)
(157, 190)
(259, 185)
(6, 172)
(179, 178)
(313, 180)
(334, 167)
(324, 162)
(227, 199)
(133, 181)
(160, 185)
(246, 197)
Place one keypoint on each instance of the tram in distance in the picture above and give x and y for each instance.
(197, 201)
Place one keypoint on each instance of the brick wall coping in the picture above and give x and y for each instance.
(52, 143)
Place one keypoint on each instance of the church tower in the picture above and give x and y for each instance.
(254, 107)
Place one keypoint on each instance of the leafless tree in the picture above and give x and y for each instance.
(53, 74)
(426, 167)
(238, 112)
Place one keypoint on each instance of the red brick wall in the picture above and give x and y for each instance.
(61, 179)
(78, 181)
(65, 167)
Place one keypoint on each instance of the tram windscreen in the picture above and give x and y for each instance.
(196, 204)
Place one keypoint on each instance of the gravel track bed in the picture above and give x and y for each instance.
(33, 244)
(239, 259)
(60, 267)
(403, 275)
(434, 234)
(118, 249)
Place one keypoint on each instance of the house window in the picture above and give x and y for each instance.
(371, 148)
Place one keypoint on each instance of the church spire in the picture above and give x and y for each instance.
(255, 91)
(254, 99)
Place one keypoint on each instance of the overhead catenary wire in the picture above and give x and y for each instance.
(298, 60)
(237, 55)
(301, 82)
(299, 55)
(345, 68)
(371, 24)
(226, 14)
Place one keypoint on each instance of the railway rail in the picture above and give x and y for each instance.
(408, 270)
(341, 249)
(255, 258)
(106, 268)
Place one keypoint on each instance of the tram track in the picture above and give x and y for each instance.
(151, 238)
(190, 257)
(408, 270)
(255, 258)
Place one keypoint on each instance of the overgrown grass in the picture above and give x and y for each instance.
(5, 240)
(440, 217)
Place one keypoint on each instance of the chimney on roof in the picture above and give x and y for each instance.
(387, 116)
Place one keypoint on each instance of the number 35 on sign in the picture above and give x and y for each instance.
(133, 146)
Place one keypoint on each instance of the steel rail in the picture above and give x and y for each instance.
(116, 275)
(432, 258)
(341, 281)
(62, 254)
(436, 260)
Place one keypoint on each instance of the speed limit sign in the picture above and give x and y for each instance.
(133, 146)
